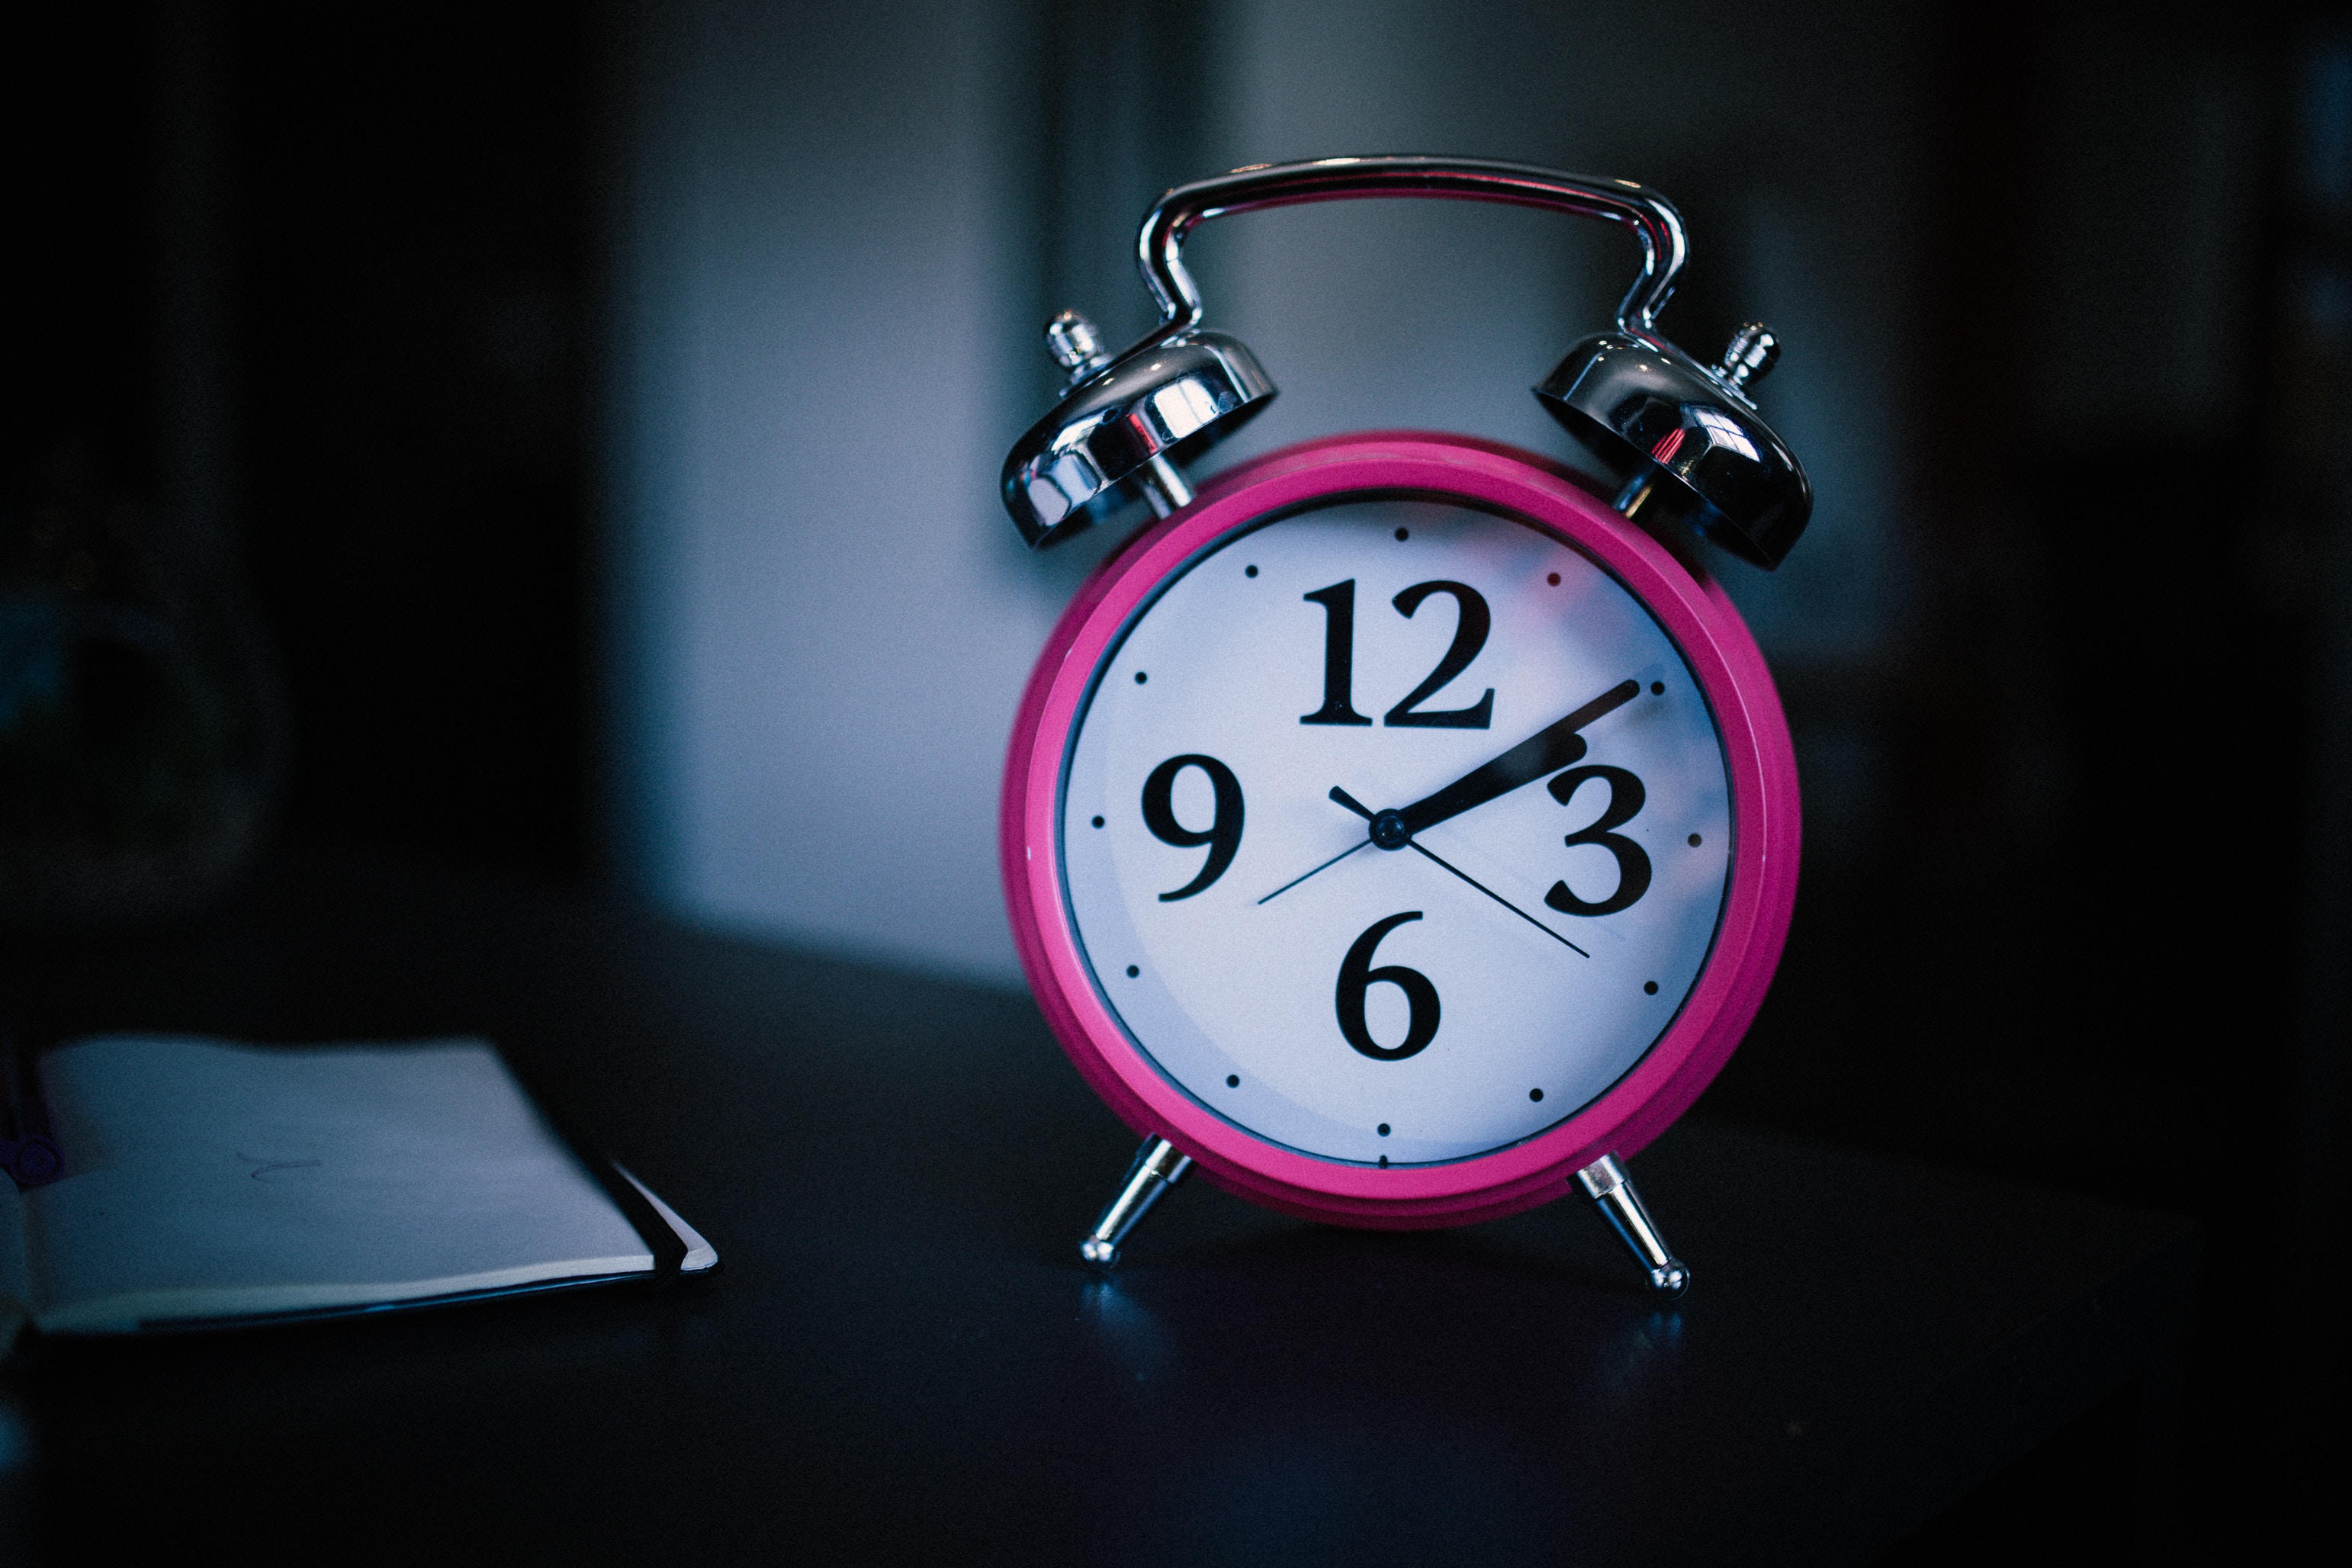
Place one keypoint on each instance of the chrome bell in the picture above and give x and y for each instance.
(1123, 425)
(1686, 436)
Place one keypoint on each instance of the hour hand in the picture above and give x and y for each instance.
(1555, 746)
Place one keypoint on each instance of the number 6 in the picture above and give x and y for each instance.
(1357, 976)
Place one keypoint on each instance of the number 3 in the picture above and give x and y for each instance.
(1625, 797)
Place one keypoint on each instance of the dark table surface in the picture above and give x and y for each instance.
(903, 1359)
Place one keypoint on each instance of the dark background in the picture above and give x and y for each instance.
(329, 276)
(351, 248)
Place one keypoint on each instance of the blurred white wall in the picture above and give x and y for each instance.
(825, 292)
(821, 623)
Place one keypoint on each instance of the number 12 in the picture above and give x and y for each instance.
(1339, 602)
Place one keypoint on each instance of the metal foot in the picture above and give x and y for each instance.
(1158, 1167)
(1606, 1183)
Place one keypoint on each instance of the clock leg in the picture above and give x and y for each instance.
(1158, 1167)
(1605, 1183)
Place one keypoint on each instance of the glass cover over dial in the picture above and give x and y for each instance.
(1395, 831)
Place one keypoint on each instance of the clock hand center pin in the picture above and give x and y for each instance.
(1388, 829)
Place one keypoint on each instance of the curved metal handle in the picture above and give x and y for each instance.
(1651, 217)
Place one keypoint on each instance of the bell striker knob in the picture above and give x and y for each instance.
(1124, 425)
(1685, 437)
(1749, 359)
(1075, 344)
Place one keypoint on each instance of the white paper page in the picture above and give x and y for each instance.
(700, 1255)
(207, 1178)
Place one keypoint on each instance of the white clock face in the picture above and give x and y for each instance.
(1411, 673)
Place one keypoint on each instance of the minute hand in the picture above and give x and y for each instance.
(1555, 746)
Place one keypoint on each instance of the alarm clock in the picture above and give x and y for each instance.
(1403, 830)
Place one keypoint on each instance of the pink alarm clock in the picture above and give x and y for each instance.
(1398, 829)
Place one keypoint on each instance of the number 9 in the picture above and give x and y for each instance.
(1223, 834)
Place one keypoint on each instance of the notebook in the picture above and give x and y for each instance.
(208, 1182)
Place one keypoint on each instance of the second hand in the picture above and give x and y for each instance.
(1327, 865)
(1502, 900)
(1352, 804)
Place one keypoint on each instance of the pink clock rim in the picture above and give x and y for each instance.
(1766, 838)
